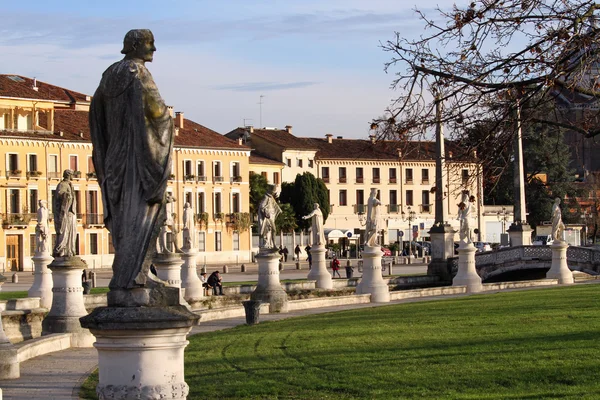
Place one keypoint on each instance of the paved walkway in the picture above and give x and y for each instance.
(59, 375)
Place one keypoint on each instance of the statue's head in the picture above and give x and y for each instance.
(67, 174)
(139, 44)
(271, 189)
(316, 206)
(373, 192)
(557, 200)
(186, 205)
(42, 203)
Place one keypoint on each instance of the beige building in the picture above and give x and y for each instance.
(44, 130)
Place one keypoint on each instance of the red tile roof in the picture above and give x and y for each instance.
(279, 137)
(196, 135)
(257, 158)
(17, 86)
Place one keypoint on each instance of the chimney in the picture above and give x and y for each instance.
(179, 119)
(288, 129)
(372, 137)
(340, 137)
(329, 137)
(81, 134)
(399, 152)
(61, 133)
(170, 109)
(176, 131)
(241, 140)
(449, 154)
(35, 87)
(251, 129)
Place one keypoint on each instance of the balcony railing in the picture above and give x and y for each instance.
(360, 179)
(360, 208)
(342, 179)
(425, 181)
(426, 208)
(189, 178)
(217, 179)
(53, 175)
(393, 180)
(393, 208)
(15, 173)
(17, 219)
(201, 178)
(325, 179)
(409, 181)
(34, 174)
(236, 179)
(376, 179)
(91, 175)
(94, 219)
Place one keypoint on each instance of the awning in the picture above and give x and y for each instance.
(340, 233)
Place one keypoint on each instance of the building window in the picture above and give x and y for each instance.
(393, 201)
(32, 245)
(33, 200)
(13, 162)
(91, 208)
(78, 203)
(299, 162)
(200, 173)
(376, 175)
(235, 202)
(342, 172)
(311, 163)
(93, 243)
(73, 164)
(276, 178)
(409, 175)
(200, 202)
(359, 175)
(218, 241)
(425, 201)
(289, 162)
(91, 169)
(264, 175)
(360, 201)
(343, 197)
(325, 174)
(53, 166)
(409, 198)
(465, 176)
(217, 173)
(188, 171)
(236, 175)
(201, 241)
(236, 240)
(32, 161)
(189, 198)
(217, 203)
(425, 175)
(14, 201)
(393, 177)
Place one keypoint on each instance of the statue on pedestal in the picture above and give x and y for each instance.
(168, 223)
(65, 217)
(557, 224)
(42, 230)
(132, 134)
(464, 216)
(268, 211)
(373, 226)
(318, 234)
(189, 227)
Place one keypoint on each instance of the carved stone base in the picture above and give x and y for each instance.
(42, 279)
(140, 350)
(559, 268)
(319, 271)
(189, 277)
(168, 269)
(442, 248)
(67, 301)
(9, 361)
(467, 273)
(268, 288)
(372, 280)
(520, 234)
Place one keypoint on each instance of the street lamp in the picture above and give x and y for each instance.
(410, 217)
(586, 217)
(503, 216)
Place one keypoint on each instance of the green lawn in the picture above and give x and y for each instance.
(22, 294)
(537, 344)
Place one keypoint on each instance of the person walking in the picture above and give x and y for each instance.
(297, 252)
(335, 266)
(285, 253)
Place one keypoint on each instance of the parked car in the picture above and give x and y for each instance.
(482, 246)
(386, 252)
(544, 240)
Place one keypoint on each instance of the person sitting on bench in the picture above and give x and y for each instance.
(214, 280)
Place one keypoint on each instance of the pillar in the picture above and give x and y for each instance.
(268, 288)
(319, 271)
(559, 268)
(42, 279)
(372, 280)
(467, 273)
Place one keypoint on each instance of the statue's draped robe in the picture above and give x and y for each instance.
(268, 211)
(65, 219)
(318, 232)
(132, 134)
(374, 223)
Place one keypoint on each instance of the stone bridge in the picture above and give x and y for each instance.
(521, 258)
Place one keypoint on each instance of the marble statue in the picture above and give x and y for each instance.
(268, 211)
(373, 226)
(464, 216)
(557, 224)
(318, 233)
(168, 223)
(64, 207)
(42, 230)
(132, 134)
(189, 227)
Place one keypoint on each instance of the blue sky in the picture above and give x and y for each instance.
(317, 63)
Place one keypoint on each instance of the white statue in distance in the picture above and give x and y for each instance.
(318, 234)
(557, 224)
(373, 226)
(464, 216)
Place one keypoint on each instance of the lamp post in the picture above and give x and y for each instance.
(586, 217)
(410, 217)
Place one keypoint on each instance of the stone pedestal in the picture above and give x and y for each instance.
(559, 269)
(168, 269)
(467, 273)
(42, 279)
(372, 281)
(9, 362)
(319, 271)
(520, 234)
(442, 248)
(268, 288)
(141, 337)
(67, 301)
(189, 277)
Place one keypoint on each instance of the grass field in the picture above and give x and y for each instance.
(537, 344)
(22, 293)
